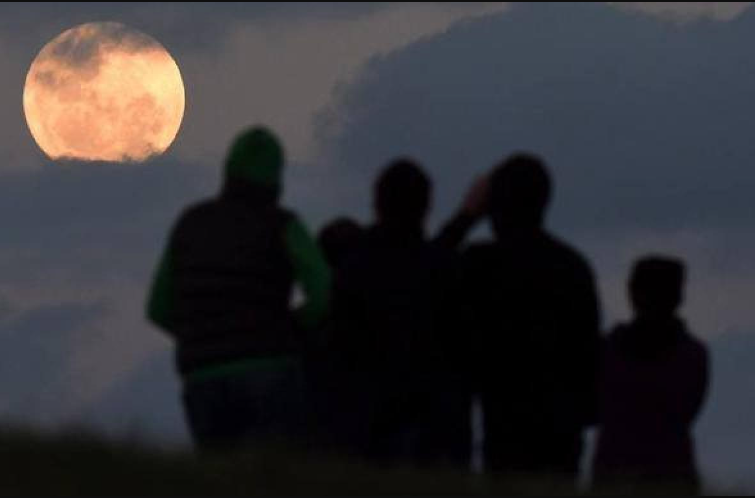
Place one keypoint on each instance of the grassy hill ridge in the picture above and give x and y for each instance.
(81, 464)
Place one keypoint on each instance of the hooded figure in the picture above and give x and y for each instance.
(223, 291)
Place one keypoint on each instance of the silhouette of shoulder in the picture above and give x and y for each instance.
(199, 208)
(560, 255)
(694, 346)
(374, 245)
(685, 343)
(195, 214)
(545, 249)
(571, 256)
(221, 215)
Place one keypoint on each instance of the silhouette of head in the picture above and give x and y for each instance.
(338, 239)
(656, 286)
(520, 189)
(402, 194)
(256, 157)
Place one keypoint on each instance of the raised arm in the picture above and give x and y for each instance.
(473, 208)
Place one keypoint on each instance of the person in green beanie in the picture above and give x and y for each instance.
(223, 292)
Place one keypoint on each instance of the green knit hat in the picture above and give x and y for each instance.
(257, 157)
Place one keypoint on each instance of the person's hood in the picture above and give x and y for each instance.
(256, 157)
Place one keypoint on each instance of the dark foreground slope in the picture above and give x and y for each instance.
(83, 465)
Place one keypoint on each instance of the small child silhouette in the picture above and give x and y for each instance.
(653, 384)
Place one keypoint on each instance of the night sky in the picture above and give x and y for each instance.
(644, 112)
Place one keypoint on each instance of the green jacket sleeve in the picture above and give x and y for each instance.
(160, 294)
(311, 271)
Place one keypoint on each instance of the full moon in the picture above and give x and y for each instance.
(103, 92)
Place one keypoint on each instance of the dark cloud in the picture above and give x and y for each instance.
(725, 430)
(179, 26)
(106, 219)
(645, 124)
(47, 78)
(82, 50)
(68, 317)
(37, 347)
(144, 404)
(100, 218)
(87, 236)
(84, 45)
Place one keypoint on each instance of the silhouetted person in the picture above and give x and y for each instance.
(653, 384)
(331, 381)
(391, 299)
(531, 302)
(223, 291)
(338, 239)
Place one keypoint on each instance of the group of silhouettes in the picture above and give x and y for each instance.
(398, 333)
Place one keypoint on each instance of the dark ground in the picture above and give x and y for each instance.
(80, 464)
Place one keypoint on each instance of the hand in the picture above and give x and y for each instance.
(477, 198)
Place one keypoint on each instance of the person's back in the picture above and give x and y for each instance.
(389, 302)
(395, 285)
(531, 301)
(233, 280)
(653, 383)
(223, 292)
